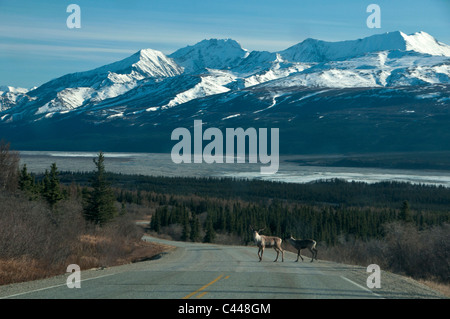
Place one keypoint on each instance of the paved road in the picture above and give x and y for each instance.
(193, 271)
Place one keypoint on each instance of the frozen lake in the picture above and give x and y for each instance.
(162, 165)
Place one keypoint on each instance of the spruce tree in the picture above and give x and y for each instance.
(185, 231)
(405, 212)
(52, 192)
(26, 182)
(209, 229)
(100, 202)
(155, 223)
(195, 228)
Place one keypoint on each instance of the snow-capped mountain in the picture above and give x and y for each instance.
(72, 91)
(312, 50)
(150, 89)
(210, 54)
(11, 96)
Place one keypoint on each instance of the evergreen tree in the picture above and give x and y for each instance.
(52, 192)
(209, 229)
(195, 228)
(155, 223)
(123, 209)
(405, 212)
(27, 183)
(185, 233)
(100, 202)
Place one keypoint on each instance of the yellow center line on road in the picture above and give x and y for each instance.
(202, 288)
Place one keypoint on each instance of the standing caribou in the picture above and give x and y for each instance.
(300, 244)
(267, 241)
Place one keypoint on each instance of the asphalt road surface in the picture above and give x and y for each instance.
(194, 271)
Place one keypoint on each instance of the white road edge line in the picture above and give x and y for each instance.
(362, 287)
(56, 286)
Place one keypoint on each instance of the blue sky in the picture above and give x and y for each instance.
(36, 45)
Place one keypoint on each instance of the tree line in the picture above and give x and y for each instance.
(328, 224)
(328, 211)
(329, 192)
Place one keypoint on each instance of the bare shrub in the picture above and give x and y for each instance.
(124, 227)
(404, 249)
(21, 269)
(174, 231)
(36, 242)
(9, 167)
(437, 253)
(34, 234)
(420, 254)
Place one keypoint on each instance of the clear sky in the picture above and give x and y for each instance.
(36, 45)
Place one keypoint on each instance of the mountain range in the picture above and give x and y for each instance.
(387, 92)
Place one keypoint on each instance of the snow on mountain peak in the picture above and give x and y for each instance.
(221, 65)
(9, 96)
(423, 42)
(312, 50)
(11, 89)
(212, 53)
(156, 64)
(147, 62)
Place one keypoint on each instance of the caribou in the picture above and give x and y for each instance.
(267, 241)
(300, 244)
